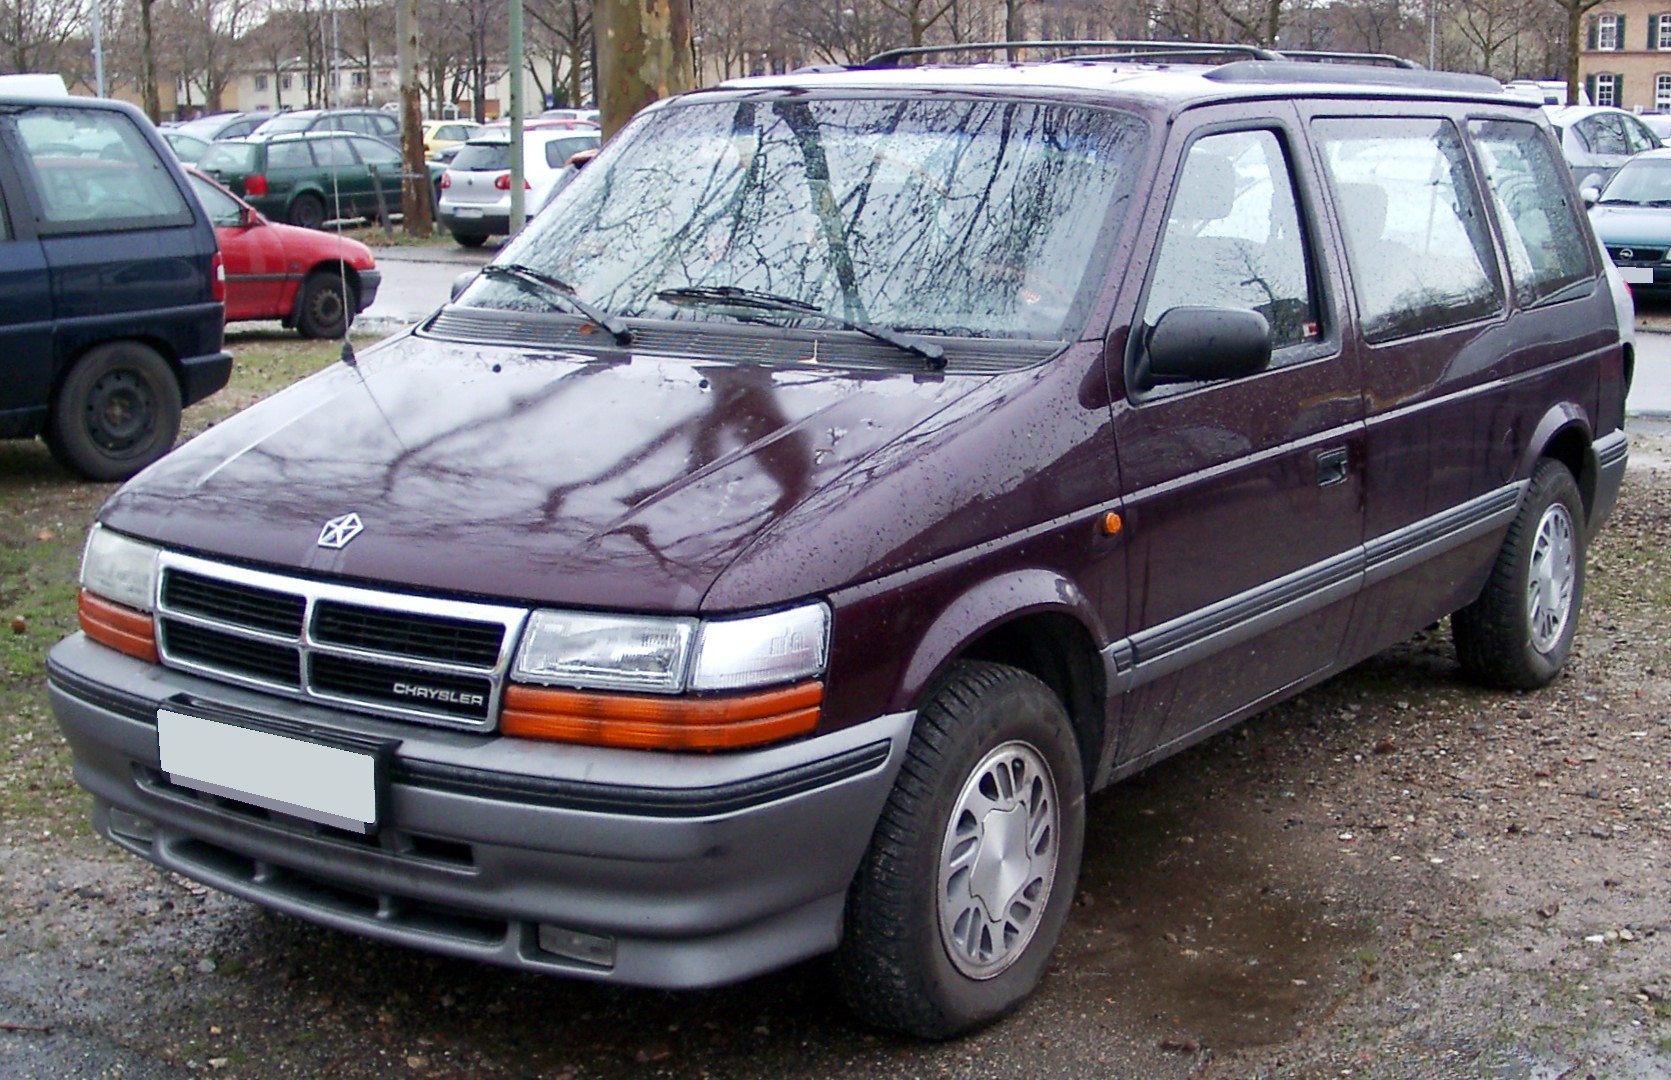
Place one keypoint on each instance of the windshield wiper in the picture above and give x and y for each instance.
(556, 288)
(1618, 202)
(754, 300)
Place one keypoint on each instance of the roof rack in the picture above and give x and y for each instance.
(1284, 70)
(1331, 57)
(1114, 50)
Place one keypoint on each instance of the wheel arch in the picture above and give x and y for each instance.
(1564, 435)
(1034, 620)
(160, 346)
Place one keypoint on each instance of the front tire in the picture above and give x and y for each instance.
(971, 872)
(322, 306)
(116, 411)
(1518, 634)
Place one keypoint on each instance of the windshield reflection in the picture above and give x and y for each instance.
(962, 217)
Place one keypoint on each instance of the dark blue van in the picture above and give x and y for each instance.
(111, 286)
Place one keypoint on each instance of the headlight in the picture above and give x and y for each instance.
(119, 569)
(606, 652)
(762, 650)
(669, 655)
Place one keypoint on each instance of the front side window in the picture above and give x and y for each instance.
(1416, 237)
(928, 215)
(1637, 136)
(377, 152)
(1233, 237)
(95, 171)
(1607, 34)
(1543, 235)
(222, 208)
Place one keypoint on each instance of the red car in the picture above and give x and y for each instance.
(275, 271)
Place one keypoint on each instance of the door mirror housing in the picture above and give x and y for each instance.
(1200, 344)
(249, 217)
(462, 282)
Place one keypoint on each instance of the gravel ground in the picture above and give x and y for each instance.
(1396, 875)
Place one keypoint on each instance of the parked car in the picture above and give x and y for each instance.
(1632, 218)
(1658, 123)
(188, 148)
(1546, 91)
(476, 188)
(377, 123)
(443, 135)
(110, 285)
(309, 179)
(311, 281)
(590, 116)
(766, 554)
(226, 125)
(1597, 139)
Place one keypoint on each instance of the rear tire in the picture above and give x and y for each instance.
(1518, 634)
(117, 410)
(322, 306)
(470, 240)
(308, 211)
(987, 816)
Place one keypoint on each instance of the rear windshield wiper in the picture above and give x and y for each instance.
(1618, 202)
(730, 296)
(550, 287)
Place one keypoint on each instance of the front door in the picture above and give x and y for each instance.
(25, 324)
(1245, 496)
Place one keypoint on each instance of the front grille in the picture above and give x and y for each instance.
(1638, 255)
(411, 657)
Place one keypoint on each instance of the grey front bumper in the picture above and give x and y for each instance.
(665, 870)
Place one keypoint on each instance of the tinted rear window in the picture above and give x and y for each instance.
(94, 171)
(483, 157)
(558, 151)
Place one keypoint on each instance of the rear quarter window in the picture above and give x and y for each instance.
(93, 170)
(1543, 237)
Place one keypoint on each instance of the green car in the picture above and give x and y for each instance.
(309, 178)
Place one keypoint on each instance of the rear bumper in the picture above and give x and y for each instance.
(488, 222)
(1612, 455)
(665, 870)
(201, 376)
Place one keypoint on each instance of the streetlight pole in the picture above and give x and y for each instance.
(518, 217)
(98, 48)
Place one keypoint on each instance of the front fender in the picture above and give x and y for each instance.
(987, 605)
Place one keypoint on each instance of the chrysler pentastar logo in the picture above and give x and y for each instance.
(339, 530)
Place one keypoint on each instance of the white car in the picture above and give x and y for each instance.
(1597, 139)
(476, 188)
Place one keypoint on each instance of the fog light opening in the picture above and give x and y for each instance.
(132, 826)
(593, 950)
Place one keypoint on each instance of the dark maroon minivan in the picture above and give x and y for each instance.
(849, 471)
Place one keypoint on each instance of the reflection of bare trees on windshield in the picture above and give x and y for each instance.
(928, 214)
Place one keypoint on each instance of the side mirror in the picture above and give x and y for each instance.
(1589, 193)
(1197, 344)
(462, 282)
(248, 217)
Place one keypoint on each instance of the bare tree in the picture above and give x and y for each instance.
(39, 35)
(562, 31)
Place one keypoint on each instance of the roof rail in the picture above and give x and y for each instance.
(1329, 56)
(1305, 71)
(1123, 50)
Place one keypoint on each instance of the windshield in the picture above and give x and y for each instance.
(961, 217)
(1641, 181)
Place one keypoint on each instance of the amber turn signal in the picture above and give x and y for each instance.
(118, 626)
(642, 722)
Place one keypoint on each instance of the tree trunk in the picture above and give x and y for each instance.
(416, 194)
(1575, 38)
(148, 62)
(643, 54)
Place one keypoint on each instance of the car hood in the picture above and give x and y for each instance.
(306, 247)
(1643, 225)
(620, 482)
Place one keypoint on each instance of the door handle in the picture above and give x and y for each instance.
(1331, 466)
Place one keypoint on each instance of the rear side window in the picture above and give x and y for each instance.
(289, 155)
(1544, 239)
(558, 151)
(1233, 237)
(334, 151)
(229, 157)
(1415, 232)
(96, 172)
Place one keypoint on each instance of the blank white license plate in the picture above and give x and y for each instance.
(476, 211)
(291, 776)
(1637, 275)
